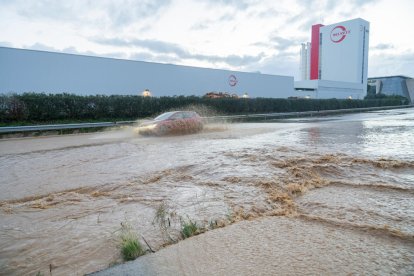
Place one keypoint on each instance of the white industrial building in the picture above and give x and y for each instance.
(39, 71)
(335, 63)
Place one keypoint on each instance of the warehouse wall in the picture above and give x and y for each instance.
(38, 71)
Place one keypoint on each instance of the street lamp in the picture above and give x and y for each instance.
(146, 93)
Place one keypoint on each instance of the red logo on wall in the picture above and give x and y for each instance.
(232, 80)
(339, 33)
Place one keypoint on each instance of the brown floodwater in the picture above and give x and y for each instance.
(63, 199)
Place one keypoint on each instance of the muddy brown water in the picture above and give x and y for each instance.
(63, 198)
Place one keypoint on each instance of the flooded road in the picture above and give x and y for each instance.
(63, 199)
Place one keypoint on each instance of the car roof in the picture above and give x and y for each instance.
(180, 111)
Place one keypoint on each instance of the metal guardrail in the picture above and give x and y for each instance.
(19, 129)
(248, 116)
(306, 113)
(15, 129)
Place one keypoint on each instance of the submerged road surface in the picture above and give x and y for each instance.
(329, 195)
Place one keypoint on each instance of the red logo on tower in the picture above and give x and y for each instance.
(339, 33)
(232, 80)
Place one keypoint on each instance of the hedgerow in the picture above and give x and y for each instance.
(40, 107)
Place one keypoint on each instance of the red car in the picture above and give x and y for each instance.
(176, 122)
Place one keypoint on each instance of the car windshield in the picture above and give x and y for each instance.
(164, 116)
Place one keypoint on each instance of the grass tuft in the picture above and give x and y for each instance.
(131, 248)
(189, 229)
(163, 218)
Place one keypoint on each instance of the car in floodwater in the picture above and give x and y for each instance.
(170, 123)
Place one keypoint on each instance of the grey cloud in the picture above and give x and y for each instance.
(42, 47)
(127, 11)
(406, 57)
(48, 9)
(72, 50)
(236, 4)
(199, 26)
(304, 19)
(118, 13)
(364, 2)
(277, 64)
(382, 46)
(307, 24)
(330, 4)
(261, 44)
(268, 13)
(166, 48)
(206, 23)
(283, 43)
(382, 64)
(153, 45)
(142, 56)
(161, 58)
(233, 60)
(6, 2)
(226, 17)
(5, 44)
(346, 14)
(312, 11)
(285, 46)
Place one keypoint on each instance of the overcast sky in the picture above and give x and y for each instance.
(245, 35)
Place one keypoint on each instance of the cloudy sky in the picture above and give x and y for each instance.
(245, 35)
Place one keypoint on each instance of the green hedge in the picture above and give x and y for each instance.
(35, 107)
